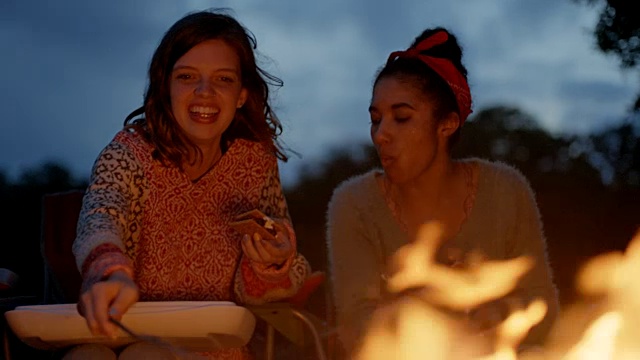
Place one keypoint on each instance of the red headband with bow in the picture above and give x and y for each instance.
(442, 67)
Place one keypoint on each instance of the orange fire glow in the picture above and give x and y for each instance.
(603, 326)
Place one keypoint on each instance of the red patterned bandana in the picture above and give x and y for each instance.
(442, 67)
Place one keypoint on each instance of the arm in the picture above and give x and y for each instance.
(258, 283)
(98, 246)
(108, 288)
(355, 270)
(528, 239)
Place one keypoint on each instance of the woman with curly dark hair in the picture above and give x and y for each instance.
(420, 101)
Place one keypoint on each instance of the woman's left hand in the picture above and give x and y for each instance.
(269, 252)
(488, 316)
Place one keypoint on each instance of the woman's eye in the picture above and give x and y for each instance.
(402, 119)
(375, 121)
(184, 76)
(226, 79)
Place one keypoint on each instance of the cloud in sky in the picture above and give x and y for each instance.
(74, 69)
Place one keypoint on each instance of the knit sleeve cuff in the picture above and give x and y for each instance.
(103, 261)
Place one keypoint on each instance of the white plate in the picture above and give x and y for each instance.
(194, 325)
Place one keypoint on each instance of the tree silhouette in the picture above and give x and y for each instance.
(50, 176)
(618, 153)
(507, 134)
(3, 181)
(618, 32)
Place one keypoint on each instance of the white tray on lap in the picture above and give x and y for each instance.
(194, 325)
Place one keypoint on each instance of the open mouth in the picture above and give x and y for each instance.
(203, 113)
(386, 160)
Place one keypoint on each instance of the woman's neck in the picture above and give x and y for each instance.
(209, 156)
(430, 185)
(437, 194)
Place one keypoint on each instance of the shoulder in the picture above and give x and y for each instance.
(351, 209)
(119, 146)
(128, 140)
(123, 152)
(131, 136)
(248, 145)
(243, 148)
(353, 192)
(503, 174)
(506, 182)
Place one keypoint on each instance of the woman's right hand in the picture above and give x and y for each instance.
(108, 298)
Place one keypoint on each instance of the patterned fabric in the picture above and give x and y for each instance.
(172, 234)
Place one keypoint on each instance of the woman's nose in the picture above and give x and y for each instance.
(382, 133)
(205, 88)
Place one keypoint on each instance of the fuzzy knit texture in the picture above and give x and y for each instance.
(362, 234)
(173, 236)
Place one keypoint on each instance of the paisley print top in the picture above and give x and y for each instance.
(172, 234)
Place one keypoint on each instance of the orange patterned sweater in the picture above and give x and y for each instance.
(172, 234)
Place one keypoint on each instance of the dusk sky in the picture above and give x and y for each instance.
(74, 69)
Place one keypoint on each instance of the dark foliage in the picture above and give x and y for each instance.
(618, 32)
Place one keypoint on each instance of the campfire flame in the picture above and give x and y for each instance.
(414, 327)
(612, 279)
(455, 287)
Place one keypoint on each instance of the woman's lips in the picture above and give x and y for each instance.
(202, 118)
(386, 160)
(203, 114)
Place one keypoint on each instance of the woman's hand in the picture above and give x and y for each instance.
(269, 252)
(488, 316)
(108, 298)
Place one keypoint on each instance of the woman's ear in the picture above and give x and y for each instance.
(449, 124)
(244, 93)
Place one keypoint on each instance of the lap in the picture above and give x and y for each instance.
(136, 351)
(143, 351)
(90, 351)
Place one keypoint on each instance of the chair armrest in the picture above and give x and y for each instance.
(8, 279)
(280, 316)
(291, 322)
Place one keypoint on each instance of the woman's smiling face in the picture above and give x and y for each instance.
(206, 89)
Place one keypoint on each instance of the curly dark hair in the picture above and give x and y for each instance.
(432, 85)
(255, 121)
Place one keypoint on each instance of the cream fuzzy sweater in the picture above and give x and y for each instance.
(362, 234)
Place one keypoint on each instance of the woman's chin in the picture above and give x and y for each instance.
(394, 176)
